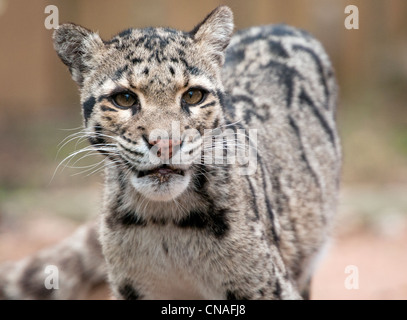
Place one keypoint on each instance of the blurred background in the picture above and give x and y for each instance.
(39, 107)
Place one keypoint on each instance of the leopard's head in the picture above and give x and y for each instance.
(148, 95)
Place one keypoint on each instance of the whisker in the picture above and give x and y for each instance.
(67, 160)
(88, 168)
(70, 129)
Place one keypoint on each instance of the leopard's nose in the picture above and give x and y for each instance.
(165, 147)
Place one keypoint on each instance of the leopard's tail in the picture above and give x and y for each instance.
(68, 270)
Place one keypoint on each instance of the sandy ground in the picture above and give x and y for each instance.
(379, 261)
(379, 258)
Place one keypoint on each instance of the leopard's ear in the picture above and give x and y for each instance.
(215, 31)
(77, 47)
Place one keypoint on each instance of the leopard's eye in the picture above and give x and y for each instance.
(124, 100)
(193, 96)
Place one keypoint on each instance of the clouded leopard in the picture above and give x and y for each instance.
(174, 222)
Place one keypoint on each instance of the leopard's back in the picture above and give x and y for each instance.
(280, 82)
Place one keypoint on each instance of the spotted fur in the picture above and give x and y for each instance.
(221, 231)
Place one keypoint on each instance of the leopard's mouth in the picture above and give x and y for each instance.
(163, 171)
(162, 183)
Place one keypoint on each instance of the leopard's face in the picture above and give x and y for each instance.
(148, 96)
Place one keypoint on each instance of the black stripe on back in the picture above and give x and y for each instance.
(305, 99)
(269, 207)
(304, 158)
(320, 69)
(286, 76)
(254, 206)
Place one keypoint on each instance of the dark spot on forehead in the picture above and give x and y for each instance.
(112, 41)
(155, 39)
(172, 31)
(136, 60)
(194, 70)
(125, 33)
(118, 74)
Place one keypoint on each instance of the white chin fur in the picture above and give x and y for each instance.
(155, 191)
